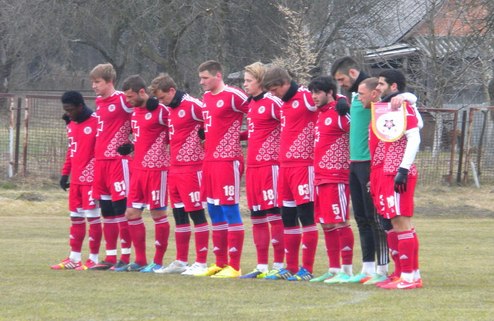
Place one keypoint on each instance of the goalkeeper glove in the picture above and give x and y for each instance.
(401, 180)
(125, 149)
(64, 182)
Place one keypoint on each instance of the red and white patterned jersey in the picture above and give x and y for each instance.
(394, 151)
(150, 130)
(113, 125)
(298, 122)
(223, 114)
(331, 146)
(376, 149)
(79, 160)
(263, 122)
(184, 121)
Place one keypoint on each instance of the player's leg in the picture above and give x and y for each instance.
(93, 217)
(137, 232)
(201, 239)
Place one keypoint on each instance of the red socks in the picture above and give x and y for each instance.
(137, 231)
(260, 231)
(346, 244)
(236, 234)
(292, 238)
(309, 246)
(161, 234)
(95, 234)
(182, 239)
(77, 233)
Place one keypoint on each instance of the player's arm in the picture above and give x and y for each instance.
(66, 168)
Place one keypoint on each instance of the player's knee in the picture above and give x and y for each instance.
(198, 217)
(289, 216)
(106, 208)
(216, 214)
(305, 213)
(232, 213)
(119, 206)
(180, 216)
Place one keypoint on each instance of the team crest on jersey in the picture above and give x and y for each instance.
(295, 104)
(148, 116)
(220, 103)
(181, 113)
(87, 130)
(262, 109)
(328, 121)
(111, 108)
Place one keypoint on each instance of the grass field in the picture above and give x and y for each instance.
(457, 257)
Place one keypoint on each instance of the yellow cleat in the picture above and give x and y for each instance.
(227, 272)
(212, 270)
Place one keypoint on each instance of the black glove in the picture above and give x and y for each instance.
(152, 103)
(342, 106)
(201, 134)
(66, 118)
(64, 182)
(401, 180)
(125, 149)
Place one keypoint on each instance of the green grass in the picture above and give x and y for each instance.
(454, 225)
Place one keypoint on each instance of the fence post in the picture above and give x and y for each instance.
(462, 146)
(26, 137)
(17, 135)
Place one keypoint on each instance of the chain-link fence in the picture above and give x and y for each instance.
(457, 146)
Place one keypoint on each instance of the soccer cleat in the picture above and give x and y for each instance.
(359, 278)
(227, 272)
(174, 267)
(399, 284)
(134, 267)
(196, 268)
(212, 270)
(118, 265)
(418, 283)
(256, 274)
(151, 267)
(376, 279)
(66, 264)
(86, 266)
(302, 275)
(341, 277)
(103, 265)
(391, 278)
(323, 277)
(281, 274)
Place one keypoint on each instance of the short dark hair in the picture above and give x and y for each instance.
(73, 98)
(343, 65)
(394, 76)
(323, 83)
(370, 83)
(134, 82)
(211, 66)
(163, 82)
(275, 76)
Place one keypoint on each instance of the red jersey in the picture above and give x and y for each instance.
(298, 119)
(184, 121)
(223, 114)
(263, 122)
(150, 129)
(394, 151)
(331, 146)
(79, 160)
(113, 125)
(376, 149)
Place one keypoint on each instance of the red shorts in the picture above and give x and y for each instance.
(397, 204)
(296, 185)
(81, 201)
(184, 189)
(221, 182)
(331, 205)
(147, 189)
(376, 178)
(261, 187)
(111, 179)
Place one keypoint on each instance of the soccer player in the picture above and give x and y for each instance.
(296, 177)
(262, 171)
(149, 174)
(399, 177)
(332, 171)
(185, 173)
(79, 165)
(111, 170)
(223, 110)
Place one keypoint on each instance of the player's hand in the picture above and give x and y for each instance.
(152, 103)
(401, 180)
(396, 102)
(125, 149)
(201, 134)
(342, 106)
(64, 182)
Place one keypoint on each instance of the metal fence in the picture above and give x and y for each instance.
(457, 146)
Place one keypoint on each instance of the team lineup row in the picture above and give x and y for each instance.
(308, 150)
